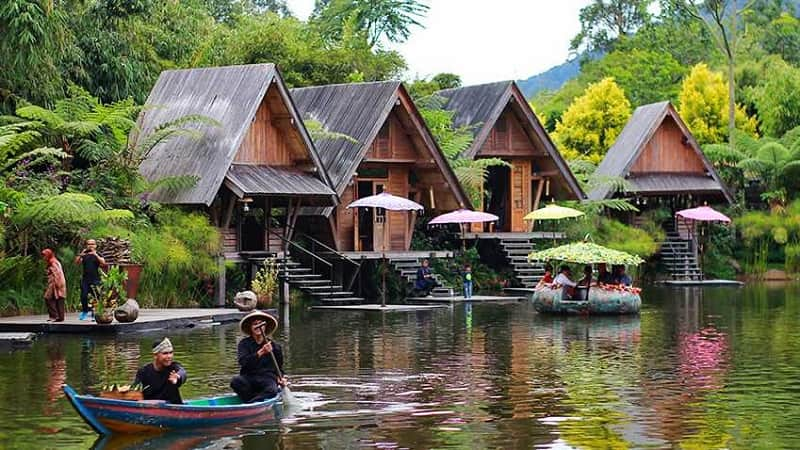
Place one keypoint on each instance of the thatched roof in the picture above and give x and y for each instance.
(359, 110)
(629, 146)
(480, 106)
(231, 96)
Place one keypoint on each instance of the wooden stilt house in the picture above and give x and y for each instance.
(663, 167)
(255, 162)
(661, 163)
(504, 126)
(388, 148)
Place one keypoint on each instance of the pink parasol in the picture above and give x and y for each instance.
(387, 201)
(703, 214)
(463, 216)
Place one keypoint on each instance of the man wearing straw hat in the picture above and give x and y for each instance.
(260, 359)
(162, 379)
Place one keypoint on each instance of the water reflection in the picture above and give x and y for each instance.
(699, 368)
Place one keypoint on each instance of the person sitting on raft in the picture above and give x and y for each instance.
(547, 278)
(603, 275)
(620, 277)
(259, 378)
(563, 280)
(163, 377)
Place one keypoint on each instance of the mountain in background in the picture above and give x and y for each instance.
(551, 79)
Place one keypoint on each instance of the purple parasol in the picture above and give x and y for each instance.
(703, 214)
(387, 201)
(463, 216)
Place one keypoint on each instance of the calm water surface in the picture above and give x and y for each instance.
(700, 368)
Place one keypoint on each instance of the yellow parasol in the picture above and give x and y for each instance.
(553, 212)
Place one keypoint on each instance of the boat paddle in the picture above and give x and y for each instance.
(287, 394)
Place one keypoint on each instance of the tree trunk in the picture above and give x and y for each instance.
(731, 74)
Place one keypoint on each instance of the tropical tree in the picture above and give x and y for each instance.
(778, 168)
(782, 37)
(603, 22)
(389, 19)
(589, 127)
(778, 99)
(720, 18)
(702, 103)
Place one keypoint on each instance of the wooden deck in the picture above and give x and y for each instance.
(399, 255)
(378, 307)
(462, 299)
(521, 235)
(149, 319)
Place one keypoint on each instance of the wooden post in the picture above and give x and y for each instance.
(220, 288)
(537, 198)
(268, 220)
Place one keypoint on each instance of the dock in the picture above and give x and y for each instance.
(462, 299)
(10, 341)
(149, 319)
(377, 307)
(687, 283)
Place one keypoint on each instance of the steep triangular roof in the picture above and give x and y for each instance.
(231, 96)
(480, 106)
(359, 110)
(632, 141)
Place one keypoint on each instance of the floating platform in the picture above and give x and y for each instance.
(10, 341)
(462, 299)
(378, 307)
(701, 283)
(149, 319)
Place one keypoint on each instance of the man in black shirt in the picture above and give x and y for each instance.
(91, 262)
(258, 378)
(162, 379)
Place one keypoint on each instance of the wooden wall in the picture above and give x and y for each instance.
(508, 139)
(520, 194)
(392, 142)
(271, 139)
(666, 152)
(345, 220)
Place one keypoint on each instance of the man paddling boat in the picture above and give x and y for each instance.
(260, 359)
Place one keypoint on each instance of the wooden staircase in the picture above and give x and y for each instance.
(679, 257)
(517, 250)
(320, 287)
(407, 267)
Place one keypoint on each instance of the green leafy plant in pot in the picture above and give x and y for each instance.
(105, 295)
(265, 282)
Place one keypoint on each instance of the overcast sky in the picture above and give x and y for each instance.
(486, 40)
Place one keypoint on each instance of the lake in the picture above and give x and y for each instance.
(699, 368)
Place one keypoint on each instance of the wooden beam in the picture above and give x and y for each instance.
(537, 198)
(268, 219)
(390, 161)
(295, 214)
(412, 221)
(229, 212)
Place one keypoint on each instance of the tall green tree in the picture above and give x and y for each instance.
(721, 18)
(389, 19)
(778, 99)
(603, 22)
(592, 123)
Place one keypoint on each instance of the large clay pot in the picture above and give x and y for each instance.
(128, 312)
(104, 318)
(264, 300)
(134, 272)
(245, 301)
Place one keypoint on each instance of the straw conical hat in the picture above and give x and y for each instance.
(270, 323)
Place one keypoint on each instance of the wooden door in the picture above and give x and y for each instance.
(520, 191)
(380, 225)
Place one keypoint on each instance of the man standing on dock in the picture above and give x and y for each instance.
(162, 379)
(91, 262)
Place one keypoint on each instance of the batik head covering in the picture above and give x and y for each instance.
(165, 346)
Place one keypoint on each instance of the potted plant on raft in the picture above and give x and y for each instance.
(265, 282)
(105, 294)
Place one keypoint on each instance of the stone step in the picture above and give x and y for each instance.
(293, 270)
(517, 245)
(334, 294)
(327, 286)
(518, 251)
(307, 283)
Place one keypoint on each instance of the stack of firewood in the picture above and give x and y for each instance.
(115, 250)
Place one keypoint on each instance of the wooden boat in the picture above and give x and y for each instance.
(598, 301)
(107, 416)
